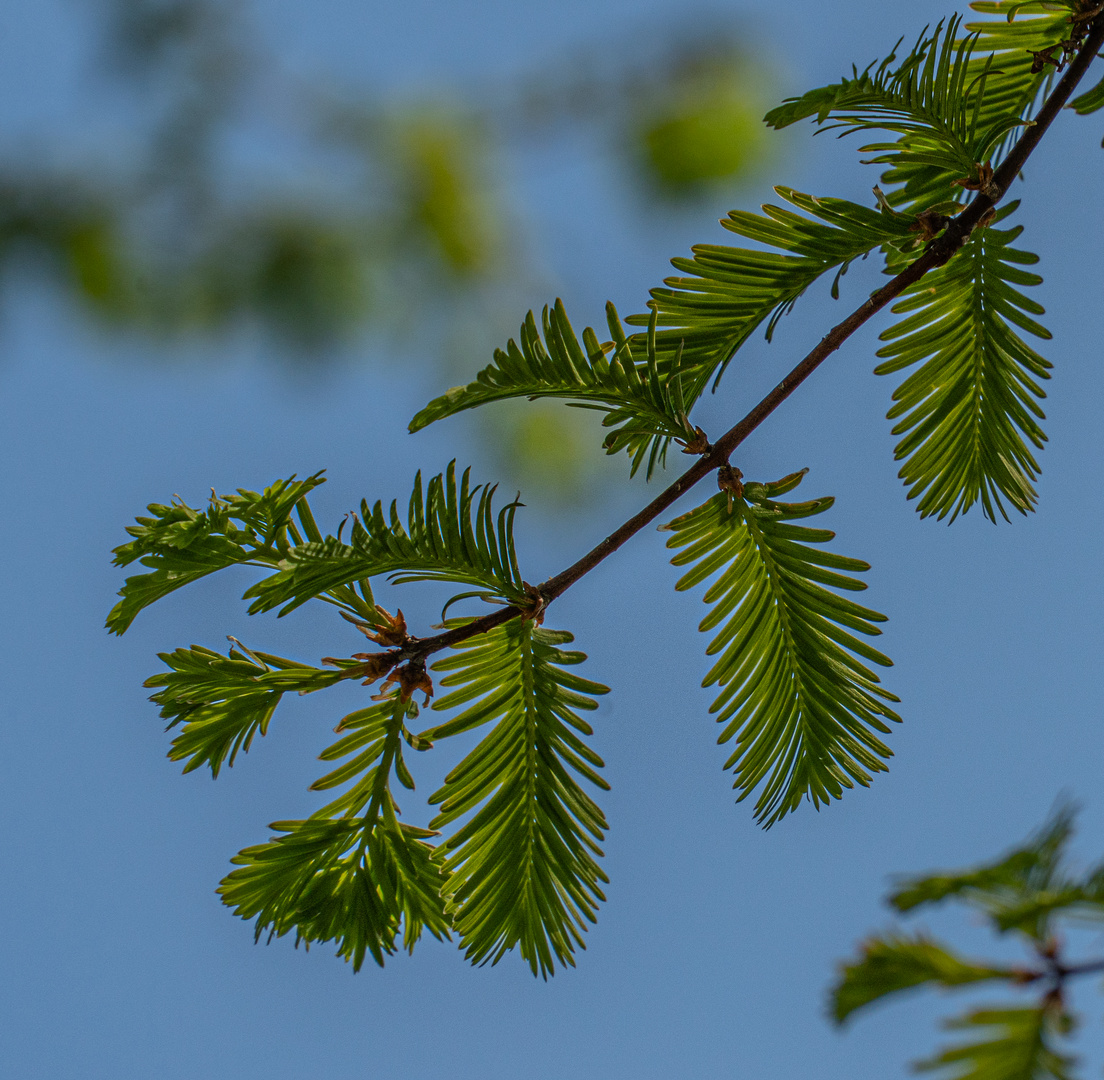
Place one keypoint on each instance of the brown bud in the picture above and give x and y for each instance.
(393, 633)
(729, 479)
(699, 444)
(410, 677)
(535, 610)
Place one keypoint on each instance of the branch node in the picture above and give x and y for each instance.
(410, 677)
(929, 224)
(1043, 57)
(535, 610)
(986, 219)
(730, 481)
(981, 179)
(372, 666)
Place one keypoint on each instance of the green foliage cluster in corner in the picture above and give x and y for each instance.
(1030, 894)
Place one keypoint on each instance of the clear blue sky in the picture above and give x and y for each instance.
(711, 957)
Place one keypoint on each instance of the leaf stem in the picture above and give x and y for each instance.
(1090, 967)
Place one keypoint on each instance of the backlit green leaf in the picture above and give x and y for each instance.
(969, 409)
(522, 868)
(795, 692)
(223, 702)
(452, 534)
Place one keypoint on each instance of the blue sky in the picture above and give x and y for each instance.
(712, 955)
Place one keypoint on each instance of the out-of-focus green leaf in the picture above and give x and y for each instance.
(890, 964)
(1015, 1044)
(440, 161)
(1090, 101)
(705, 128)
(1023, 891)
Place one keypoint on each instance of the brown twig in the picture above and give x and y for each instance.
(937, 253)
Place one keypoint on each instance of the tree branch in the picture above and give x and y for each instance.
(1089, 967)
(937, 253)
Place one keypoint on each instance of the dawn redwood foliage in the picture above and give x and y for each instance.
(512, 859)
(1031, 894)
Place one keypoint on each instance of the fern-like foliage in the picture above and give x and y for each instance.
(1024, 891)
(891, 963)
(1002, 54)
(969, 409)
(650, 381)
(1011, 36)
(795, 693)
(224, 701)
(356, 878)
(517, 866)
(620, 378)
(180, 544)
(931, 99)
(522, 870)
(451, 534)
(729, 292)
(951, 101)
(1014, 1044)
(1031, 890)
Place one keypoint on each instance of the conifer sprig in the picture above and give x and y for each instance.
(358, 877)
(796, 692)
(932, 100)
(969, 409)
(952, 101)
(522, 870)
(452, 533)
(181, 545)
(224, 701)
(620, 378)
(727, 293)
(1032, 892)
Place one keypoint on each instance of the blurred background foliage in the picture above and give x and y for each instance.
(383, 217)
